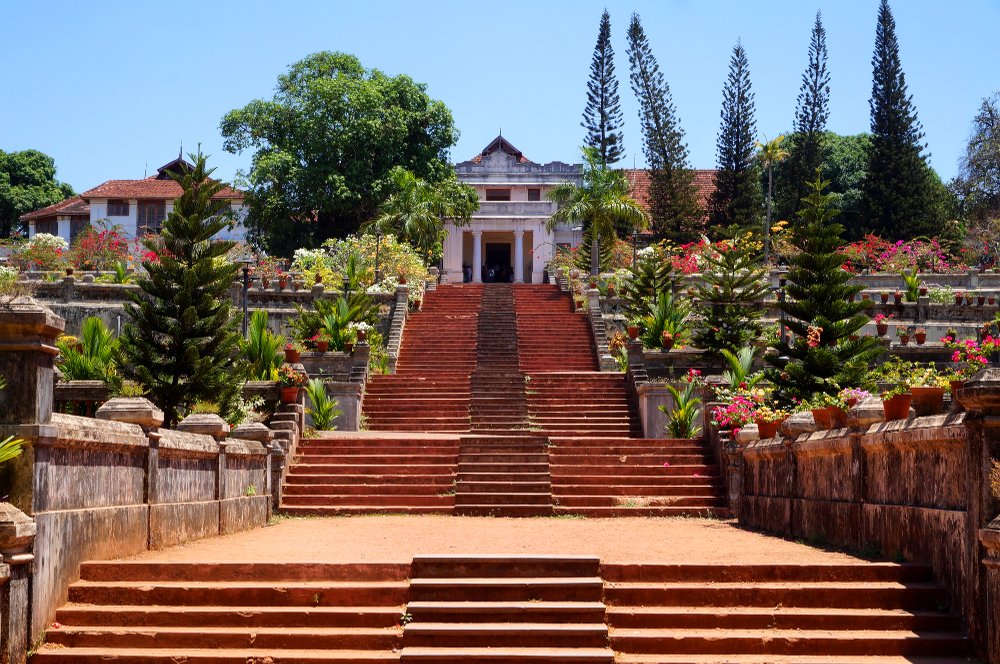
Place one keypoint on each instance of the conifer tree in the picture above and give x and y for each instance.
(651, 275)
(602, 116)
(812, 111)
(182, 336)
(737, 198)
(673, 203)
(898, 200)
(734, 281)
(818, 301)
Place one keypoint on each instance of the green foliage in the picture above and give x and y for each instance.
(324, 147)
(736, 199)
(602, 116)
(673, 202)
(912, 284)
(601, 202)
(739, 374)
(666, 314)
(11, 448)
(27, 183)
(323, 409)
(182, 337)
(821, 357)
(900, 200)
(333, 316)
(354, 257)
(91, 357)
(733, 284)
(684, 415)
(263, 348)
(978, 180)
(651, 274)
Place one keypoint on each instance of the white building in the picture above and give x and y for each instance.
(138, 206)
(509, 230)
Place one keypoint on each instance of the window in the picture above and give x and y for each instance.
(77, 226)
(151, 216)
(50, 226)
(534, 194)
(117, 208)
(498, 194)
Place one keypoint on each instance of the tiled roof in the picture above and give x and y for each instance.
(501, 144)
(150, 187)
(74, 205)
(704, 184)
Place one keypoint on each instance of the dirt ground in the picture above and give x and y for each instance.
(398, 538)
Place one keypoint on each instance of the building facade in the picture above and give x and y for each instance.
(508, 239)
(137, 206)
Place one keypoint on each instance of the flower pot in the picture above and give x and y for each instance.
(362, 335)
(866, 297)
(884, 297)
(322, 346)
(349, 347)
(282, 284)
(292, 356)
(69, 272)
(956, 385)
(768, 429)
(882, 329)
(319, 278)
(265, 284)
(897, 297)
(920, 338)
(991, 300)
(927, 400)
(823, 418)
(898, 407)
(922, 291)
(904, 339)
(593, 284)
(980, 300)
(633, 332)
(288, 394)
(958, 298)
(416, 304)
(668, 340)
(402, 281)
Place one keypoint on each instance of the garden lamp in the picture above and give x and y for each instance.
(246, 261)
(347, 286)
(635, 246)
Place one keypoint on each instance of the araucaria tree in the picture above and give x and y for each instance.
(182, 335)
(673, 202)
(324, 147)
(736, 200)
(824, 353)
(812, 110)
(898, 201)
(602, 116)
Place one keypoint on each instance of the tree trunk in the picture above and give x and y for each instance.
(767, 222)
(595, 253)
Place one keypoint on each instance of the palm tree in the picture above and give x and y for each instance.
(416, 209)
(770, 153)
(600, 203)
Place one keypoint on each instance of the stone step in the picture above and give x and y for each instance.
(101, 655)
(535, 612)
(247, 593)
(497, 634)
(82, 615)
(501, 498)
(506, 589)
(151, 572)
(369, 499)
(711, 617)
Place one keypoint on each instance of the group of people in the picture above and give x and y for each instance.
(499, 274)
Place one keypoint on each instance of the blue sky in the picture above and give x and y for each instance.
(110, 89)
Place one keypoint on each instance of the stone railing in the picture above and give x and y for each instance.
(397, 322)
(917, 490)
(516, 209)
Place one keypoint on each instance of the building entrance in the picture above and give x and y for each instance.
(498, 266)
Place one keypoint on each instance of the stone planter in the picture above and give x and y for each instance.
(927, 400)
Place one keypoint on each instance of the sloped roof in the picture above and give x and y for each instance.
(151, 187)
(75, 205)
(703, 180)
(501, 144)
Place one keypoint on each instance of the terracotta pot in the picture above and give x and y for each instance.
(898, 407)
(319, 278)
(349, 347)
(927, 400)
(292, 356)
(668, 340)
(823, 418)
(322, 346)
(838, 417)
(956, 385)
(980, 300)
(920, 338)
(282, 283)
(768, 429)
(416, 304)
(884, 297)
(882, 329)
(288, 394)
(897, 297)
(866, 297)
(904, 339)
(633, 332)
(362, 335)
(922, 291)
(69, 272)
(991, 300)
(593, 284)
(958, 298)
(265, 283)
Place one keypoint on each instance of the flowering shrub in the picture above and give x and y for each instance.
(970, 353)
(102, 249)
(735, 414)
(42, 252)
(878, 255)
(849, 394)
(289, 376)
(395, 259)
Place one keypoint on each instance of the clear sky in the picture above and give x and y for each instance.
(110, 89)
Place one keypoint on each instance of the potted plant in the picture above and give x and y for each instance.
(769, 419)
(959, 296)
(282, 281)
(884, 296)
(290, 381)
(897, 297)
(927, 388)
(851, 396)
(922, 291)
(402, 279)
(866, 297)
(322, 341)
(920, 335)
(633, 331)
(828, 410)
(991, 300)
(667, 339)
(896, 403)
(293, 352)
(969, 356)
(416, 303)
(980, 300)
(903, 332)
(881, 324)
(319, 277)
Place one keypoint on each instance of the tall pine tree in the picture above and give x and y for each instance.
(602, 116)
(898, 200)
(673, 202)
(737, 198)
(182, 335)
(812, 110)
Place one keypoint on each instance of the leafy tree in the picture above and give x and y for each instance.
(978, 181)
(812, 110)
(182, 337)
(602, 116)
(770, 153)
(601, 202)
(650, 275)
(673, 201)
(818, 301)
(416, 209)
(736, 200)
(733, 284)
(27, 183)
(325, 145)
(899, 197)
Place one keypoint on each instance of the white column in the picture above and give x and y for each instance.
(64, 227)
(477, 257)
(519, 256)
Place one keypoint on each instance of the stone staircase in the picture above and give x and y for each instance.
(218, 613)
(495, 609)
(838, 614)
(551, 336)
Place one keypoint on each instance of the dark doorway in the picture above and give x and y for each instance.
(498, 264)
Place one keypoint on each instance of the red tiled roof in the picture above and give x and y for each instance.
(150, 187)
(74, 205)
(704, 184)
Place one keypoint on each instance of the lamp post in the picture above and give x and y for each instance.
(378, 244)
(247, 261)
(635, 246)
(347, 286)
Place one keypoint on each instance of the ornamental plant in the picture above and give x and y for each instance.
(289, 376)
(42, 252)
(100, 248)
(767, 413)
(970, 354)
(736, 414)
(686, 411)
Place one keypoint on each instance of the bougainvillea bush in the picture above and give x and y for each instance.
(41, 252)
(877, 255)
(101, 248)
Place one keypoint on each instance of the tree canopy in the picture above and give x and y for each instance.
(602, 116)
(325, 145)
(27, 183)
(978, 181)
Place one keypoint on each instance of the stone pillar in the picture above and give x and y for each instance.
(477, 257)
(348, 397)
(274, 461)
(17, 537)
(141, 411)
(518, 256)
